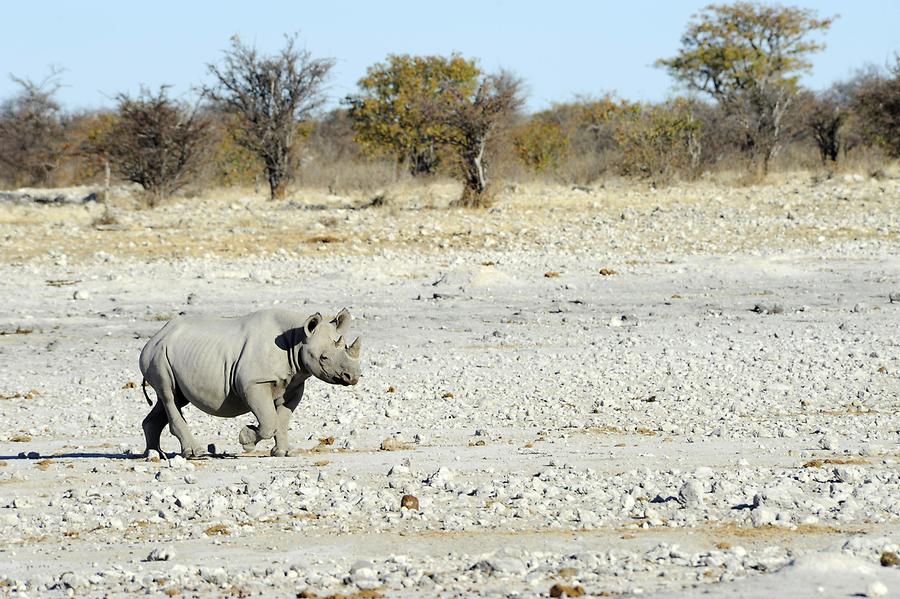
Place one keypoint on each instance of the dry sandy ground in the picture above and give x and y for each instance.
(614, 391)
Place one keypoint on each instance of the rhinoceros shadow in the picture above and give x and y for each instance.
(92, 455)
(74, 454)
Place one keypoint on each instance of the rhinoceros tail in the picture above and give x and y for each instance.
(144, 389)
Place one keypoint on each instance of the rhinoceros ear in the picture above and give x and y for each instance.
(342, 321)
(311, 323)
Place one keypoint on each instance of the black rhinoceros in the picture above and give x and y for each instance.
(230, 366)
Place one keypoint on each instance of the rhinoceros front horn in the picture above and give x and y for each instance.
(353, 350)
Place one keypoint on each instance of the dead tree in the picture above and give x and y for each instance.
(271, 96)
(32, 132)
(156, 142)
(470, 122)
(824, 116)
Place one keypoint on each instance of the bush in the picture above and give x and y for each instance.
(659, 142)
(541, 145)
(877, 106)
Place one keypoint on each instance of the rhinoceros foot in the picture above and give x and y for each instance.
(194, 453)
(248, 438)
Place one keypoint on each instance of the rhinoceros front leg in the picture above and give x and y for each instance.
(292, 397)
(259, 400)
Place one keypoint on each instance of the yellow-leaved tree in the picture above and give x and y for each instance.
(748, 56)
(387, 113)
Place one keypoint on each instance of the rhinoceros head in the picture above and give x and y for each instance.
(324, 353)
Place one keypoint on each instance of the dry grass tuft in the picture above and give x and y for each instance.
(19, 331)
(324, 238)
(217, 529)
(818, 463)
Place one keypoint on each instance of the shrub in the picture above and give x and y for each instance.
(541, 145)
(155, 142)
(661, 141)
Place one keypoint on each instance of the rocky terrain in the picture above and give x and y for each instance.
(608, 391)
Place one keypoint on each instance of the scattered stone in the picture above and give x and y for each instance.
(607, 272)
(768, 309)
(565, 590)
(890, 559)
(393, 444)
(162, 554)
(81, 294)
(876, 589)
(828, 443)
(410, 502)
(691, 494)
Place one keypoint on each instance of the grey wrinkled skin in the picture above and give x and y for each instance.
(230, 366)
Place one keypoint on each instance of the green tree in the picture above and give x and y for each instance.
(748, 57)
(387, 112)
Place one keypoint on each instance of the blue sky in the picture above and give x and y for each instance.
(561, 47)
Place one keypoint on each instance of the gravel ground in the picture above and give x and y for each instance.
(610, 391)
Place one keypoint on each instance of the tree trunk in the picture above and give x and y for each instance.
(476, 191)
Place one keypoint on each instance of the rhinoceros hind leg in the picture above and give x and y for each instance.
(153, 425)
(177, 425)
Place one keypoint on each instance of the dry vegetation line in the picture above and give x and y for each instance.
(694, 218)
(696, 385)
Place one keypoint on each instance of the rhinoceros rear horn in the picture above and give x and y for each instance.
(353, 350)
(339, 343)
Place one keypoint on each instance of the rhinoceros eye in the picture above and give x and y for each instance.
(323, 358)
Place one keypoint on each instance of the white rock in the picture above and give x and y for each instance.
(691, 494)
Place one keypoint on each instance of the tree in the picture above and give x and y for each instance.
(877, 106)
(748, 57)
(32, 131)
(387, 112)
(155, 141)
(467, 122)
(823, 117)
(272, 96)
